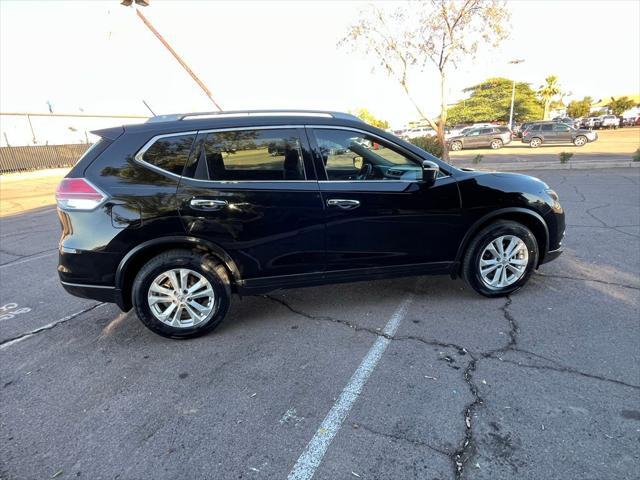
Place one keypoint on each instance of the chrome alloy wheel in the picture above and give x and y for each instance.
(503, 262)
(181, 298)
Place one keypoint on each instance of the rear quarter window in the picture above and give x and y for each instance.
(169, 153)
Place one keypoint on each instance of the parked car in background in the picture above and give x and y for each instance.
(609, 121)
(458, 130)
(161, 217)
(590, 123)
(419, 132)
(524, 127)
(554, 132)
(493, 137)
(565, 120)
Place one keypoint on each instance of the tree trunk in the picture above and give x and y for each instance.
(545, 114)
(443, 117)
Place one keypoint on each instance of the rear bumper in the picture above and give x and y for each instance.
(96, 292)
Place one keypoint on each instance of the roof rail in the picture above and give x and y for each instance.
(264, 113)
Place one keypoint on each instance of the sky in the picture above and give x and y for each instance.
(98, 57)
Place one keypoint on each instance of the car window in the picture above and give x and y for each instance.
(170, 153)
(249, 155)
(473, 133)
(560, 127)
(352, 155)
(547, 128)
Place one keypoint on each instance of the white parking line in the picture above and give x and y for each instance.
(18, 262)
(49, 326)
(308, 462)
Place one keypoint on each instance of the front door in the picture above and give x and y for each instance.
(379, 215)
(253, 193)
(472, 139)
(562, 132)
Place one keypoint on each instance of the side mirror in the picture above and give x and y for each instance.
(358, 161)
(429, 172)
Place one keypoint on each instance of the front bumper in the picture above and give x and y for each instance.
(551, 255)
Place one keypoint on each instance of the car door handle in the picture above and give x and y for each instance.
(207, 204)
(343, 203)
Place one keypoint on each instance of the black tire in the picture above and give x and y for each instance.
(471, 261)
(456, 146)
(535, 142)
(582, 142)
(496, 144)
(205, 265)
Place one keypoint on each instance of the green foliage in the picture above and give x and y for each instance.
(565, 157)
(621, 105)
(491, 100)
(580, 108)
(430, 144)
(367, 117)
(636, 156)
(548, 93)
(477, 159)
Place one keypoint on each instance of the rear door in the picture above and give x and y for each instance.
(253, 192)
(547, 133)
(486, 135)
(378, 214)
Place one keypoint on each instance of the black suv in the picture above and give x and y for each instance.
(174, 215)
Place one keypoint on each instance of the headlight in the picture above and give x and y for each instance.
(556, 200)
(553, 194)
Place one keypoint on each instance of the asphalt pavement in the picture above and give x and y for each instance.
(400, 379)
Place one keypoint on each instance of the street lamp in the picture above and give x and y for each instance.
(513, 93)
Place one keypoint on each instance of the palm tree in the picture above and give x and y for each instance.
(547, 92)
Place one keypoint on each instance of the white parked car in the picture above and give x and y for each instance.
(609, 121)
(419, 132)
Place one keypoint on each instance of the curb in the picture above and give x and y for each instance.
(49, 172)
(553, 166)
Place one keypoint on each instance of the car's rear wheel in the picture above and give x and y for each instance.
(500, 258)
(535, 142)
(181, 294)
(580, 140)
(456, 146)
(496, 144)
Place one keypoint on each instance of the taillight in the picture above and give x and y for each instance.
(78, 194)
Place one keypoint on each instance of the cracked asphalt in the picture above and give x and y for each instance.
(543, 384)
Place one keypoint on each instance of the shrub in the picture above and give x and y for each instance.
(477, 159)
(636, 156)
(565, 157)
(430, 144)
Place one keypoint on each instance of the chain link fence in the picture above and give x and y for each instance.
(18, 159)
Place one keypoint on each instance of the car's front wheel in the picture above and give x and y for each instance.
(181, 294)
(496, 144)
(535, 142)
(456, 146)
(500, 258)
(580, 140)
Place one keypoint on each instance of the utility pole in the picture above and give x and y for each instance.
(513, 93)
(184, 65)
